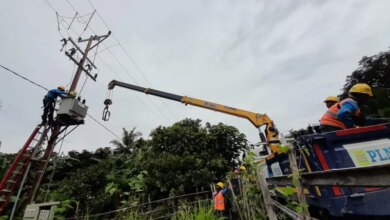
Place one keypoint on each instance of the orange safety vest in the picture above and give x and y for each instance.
(219, 201)
(330, 117)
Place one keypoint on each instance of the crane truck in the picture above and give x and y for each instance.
(364, 147)
(269, 137)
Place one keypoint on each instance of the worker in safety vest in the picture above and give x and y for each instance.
(49, 103)
(346, 114)
(242, 169)
(331, 100)
(219, 198)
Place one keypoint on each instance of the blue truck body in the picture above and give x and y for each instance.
(358, 147)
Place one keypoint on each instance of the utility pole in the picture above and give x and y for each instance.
(80, 67)
(56, 130)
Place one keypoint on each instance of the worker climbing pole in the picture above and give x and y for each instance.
(71, 112)
(67, 119)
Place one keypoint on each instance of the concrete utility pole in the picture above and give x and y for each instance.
(81, 66)
(58, 129)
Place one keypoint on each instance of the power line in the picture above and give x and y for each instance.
(117, 60)
(110, 68)
(28, 80)
(102, 60)
(71, 5)
(36, 84)
(50, 5)
(120, 44)
(104, 127)
(141, 100)
(129, 56)
(121, 64)
(106, 48)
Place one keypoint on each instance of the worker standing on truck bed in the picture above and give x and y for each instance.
(347, 114)
(331, 100)
(49, 102)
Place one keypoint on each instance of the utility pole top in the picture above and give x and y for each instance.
(56, 130)
(80, 64)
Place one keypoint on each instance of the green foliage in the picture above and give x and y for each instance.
(137, 183)
(305, 150)
(4, 217)
(250, 202)
(111, 188)
(128, 142)
(375, 71)
(286, 191)
(299, 132)
(297, 207)
(176, 159)
(85, 186)
(382, 102)
(65, 208)
(283, 149)
(186, 156)
(199, 211)
(5, 161)
(134, 215)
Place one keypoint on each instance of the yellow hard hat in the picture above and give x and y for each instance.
(220, 184)
(361, 88)
(62, 88)
(243, 168)
(332, 99)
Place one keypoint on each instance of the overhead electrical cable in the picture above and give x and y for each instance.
(129, 56)
(42, 87)
(111, 69)
(25, 78)
(123, 66)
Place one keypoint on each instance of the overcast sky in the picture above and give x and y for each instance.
(278, 57)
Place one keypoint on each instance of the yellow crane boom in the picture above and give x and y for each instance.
(257, 119)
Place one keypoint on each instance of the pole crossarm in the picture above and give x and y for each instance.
(84, 58)
(98, 38)
(81, 51)
(83, 69)
(374, 176)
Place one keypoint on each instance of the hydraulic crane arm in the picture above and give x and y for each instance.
(256, 119)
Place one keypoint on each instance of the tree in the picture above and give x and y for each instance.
(375, 71)
(187, 156)
(5, 161)
(178, 159)
(86, 187)
(127, 144)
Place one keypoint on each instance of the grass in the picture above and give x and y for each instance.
(198, 211)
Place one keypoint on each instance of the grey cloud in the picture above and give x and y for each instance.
(255, 55)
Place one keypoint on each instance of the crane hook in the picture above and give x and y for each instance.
(106, 113)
